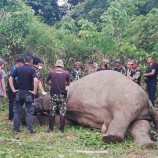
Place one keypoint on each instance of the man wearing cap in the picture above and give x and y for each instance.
(2, 81)
(118, 67)
(36, 66)
(151, 78)
(11, 96)
(59, 79)
(27, 88)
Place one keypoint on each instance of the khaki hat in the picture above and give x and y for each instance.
(59, 63)
(2, 61)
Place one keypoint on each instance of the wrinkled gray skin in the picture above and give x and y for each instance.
(109, 101)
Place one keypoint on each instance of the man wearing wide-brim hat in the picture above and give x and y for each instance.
(59, 79)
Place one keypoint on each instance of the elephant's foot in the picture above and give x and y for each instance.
(116, 129)
(140, 132)
(111, 138)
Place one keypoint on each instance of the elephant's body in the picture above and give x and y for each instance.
(110, 101)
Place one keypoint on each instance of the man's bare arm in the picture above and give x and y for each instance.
(41, 88)
(47, 82)
(11, 84)
(36, 83)
(4, 87)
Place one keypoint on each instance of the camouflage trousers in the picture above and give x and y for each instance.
(58, 102)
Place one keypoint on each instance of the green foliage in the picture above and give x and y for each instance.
(143, 31)
(47, 9)
(21, 32)
(139, 7)
(74, 2)
(91, 31)
(90, 9)
(14, 27)
(114, 22)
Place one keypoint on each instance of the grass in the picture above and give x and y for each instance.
(58, 145)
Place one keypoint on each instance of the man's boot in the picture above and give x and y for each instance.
(51, 123)
(62, 123)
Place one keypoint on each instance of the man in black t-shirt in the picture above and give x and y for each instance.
(151, 79)
(27, 87)
(59, 79)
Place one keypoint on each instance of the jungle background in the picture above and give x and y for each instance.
(79, 30)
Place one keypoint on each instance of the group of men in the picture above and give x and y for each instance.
(24, 82)
(22, 87)
(131, 70)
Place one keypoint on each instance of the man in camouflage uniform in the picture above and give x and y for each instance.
(59, 79)
(118, 67)
(135, 74)
(76, 72)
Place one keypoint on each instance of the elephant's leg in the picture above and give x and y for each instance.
(140, 131)
(117, 128)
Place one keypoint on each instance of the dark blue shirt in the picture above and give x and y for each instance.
(15, 80)
(25, 74)
(149, 69)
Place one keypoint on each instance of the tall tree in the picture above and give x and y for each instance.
(115, 21)
(47, 9)
(74, 2)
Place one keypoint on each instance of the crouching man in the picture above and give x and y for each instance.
(59, 79)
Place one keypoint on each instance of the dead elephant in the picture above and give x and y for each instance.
(110, 101)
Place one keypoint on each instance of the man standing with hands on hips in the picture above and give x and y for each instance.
(27, 84)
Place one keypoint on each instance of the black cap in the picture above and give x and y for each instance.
(36, 60)
(19, 59)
